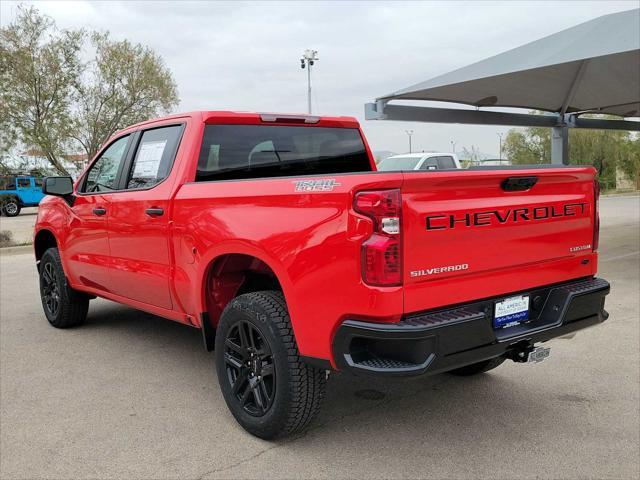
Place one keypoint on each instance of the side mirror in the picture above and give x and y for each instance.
(58, 186)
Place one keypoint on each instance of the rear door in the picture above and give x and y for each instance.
(139, 218)
(26, 190)
(469, 235)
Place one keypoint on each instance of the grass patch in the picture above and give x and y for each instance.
(6, 239)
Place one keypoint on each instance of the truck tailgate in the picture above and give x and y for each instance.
(469, 235)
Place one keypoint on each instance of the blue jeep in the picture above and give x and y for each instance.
(17, 191)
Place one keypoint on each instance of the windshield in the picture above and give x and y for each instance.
(255, 151)
(398, 163)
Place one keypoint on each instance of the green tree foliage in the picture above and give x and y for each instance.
(53, 101)
(606, 150)
(125, 84)
(39, 66)
(531, 146)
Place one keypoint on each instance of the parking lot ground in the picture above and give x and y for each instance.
(21, 226)
(130, 395)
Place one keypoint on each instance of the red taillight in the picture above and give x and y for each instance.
(596, 214)
(382, 251)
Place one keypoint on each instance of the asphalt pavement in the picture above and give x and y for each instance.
(130, 395)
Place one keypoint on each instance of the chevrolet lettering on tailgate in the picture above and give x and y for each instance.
(499, 217)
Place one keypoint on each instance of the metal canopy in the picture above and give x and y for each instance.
(593, 67)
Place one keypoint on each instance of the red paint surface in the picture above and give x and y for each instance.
(312, 241)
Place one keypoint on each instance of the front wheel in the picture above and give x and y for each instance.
(12, 208)
(266, 386)
(63, 306)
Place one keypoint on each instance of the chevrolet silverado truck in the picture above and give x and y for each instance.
(278, 239)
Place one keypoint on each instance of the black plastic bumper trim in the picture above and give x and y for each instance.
(437, 341)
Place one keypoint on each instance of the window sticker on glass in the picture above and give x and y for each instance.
(149, 158)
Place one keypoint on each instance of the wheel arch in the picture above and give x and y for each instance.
(227, 276)
(43, 240)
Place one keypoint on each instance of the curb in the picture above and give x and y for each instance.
(19, 250)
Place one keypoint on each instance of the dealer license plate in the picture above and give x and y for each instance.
(511, 311)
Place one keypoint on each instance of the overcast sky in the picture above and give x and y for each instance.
(245, 56)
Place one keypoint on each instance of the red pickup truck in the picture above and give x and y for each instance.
(276, 236)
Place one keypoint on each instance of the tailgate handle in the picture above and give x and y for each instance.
(518, 184)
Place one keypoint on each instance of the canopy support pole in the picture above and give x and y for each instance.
(560, 145)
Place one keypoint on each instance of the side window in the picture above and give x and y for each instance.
(38, 182)
(446, 162)
(102, 175)
(154, 156)
(429, 164)
(7, 183)
(24, 183)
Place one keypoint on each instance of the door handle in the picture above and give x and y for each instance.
(154, 212)
(99, 211)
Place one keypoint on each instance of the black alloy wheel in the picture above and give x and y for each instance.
(50, 290)
(63, 306)
(249, 367)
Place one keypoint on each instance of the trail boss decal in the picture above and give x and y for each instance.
(508, 216)
(316, 185)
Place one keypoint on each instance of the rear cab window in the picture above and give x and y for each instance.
(259, 151)
(430, 163)
(446, 162)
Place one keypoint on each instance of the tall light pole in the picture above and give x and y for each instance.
(453, 146)
(409, 133)
(309, 57)
(500, 154)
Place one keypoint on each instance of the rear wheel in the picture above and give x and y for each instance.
(480, 367)
(266, 386)
(63, 306)
(12, 208)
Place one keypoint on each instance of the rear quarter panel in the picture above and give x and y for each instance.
(309, 239)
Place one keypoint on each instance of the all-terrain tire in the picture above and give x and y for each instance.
(297, 388)
(480, 367)
(63, 306)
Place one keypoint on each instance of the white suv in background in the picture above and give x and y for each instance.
(420, 161)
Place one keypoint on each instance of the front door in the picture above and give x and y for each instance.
(139, 219)
(87, 244)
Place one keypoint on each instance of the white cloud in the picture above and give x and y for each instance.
(245, 56)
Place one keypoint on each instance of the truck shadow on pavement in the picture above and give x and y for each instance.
(446, 407)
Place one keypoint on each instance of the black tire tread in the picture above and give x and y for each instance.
(307, 385)
(74, 305)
